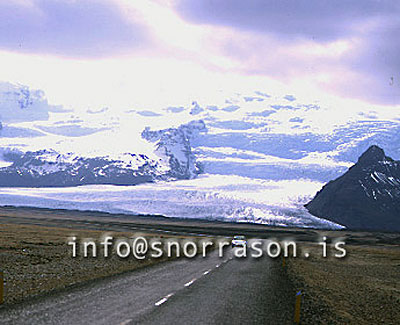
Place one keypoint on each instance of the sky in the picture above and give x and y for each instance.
(152, 53)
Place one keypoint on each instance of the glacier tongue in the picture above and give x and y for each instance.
(213, 197)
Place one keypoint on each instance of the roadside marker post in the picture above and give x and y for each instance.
(1, 287)
(297, 308)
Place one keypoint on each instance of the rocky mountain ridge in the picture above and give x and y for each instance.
(366, 197)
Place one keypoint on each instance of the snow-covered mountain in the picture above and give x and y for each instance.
(281, 150)
(47, 168)
(366, 197)
(18, 103)
(173, 147)
(250, 135)
(26, 117)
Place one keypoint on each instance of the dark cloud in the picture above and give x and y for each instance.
(321, 19)
(369, 69)
(90, 28)
(377, 60)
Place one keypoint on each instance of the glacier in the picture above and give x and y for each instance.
(209, 197)
(250, 157)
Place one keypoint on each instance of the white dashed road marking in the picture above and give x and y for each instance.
(187, 284)
(160, 302)
(190, 283)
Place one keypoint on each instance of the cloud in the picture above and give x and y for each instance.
(99, 111)
(347, 47)
(71, 28)
(322, 19)
(231, 108)
(73, 130)
(148, 113)
(290, 98)
(173, 109)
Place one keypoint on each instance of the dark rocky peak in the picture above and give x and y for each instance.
(366, 197)
(373, 155)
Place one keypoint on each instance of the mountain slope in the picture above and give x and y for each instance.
(50, 168)
(173, 147)
(366, 197)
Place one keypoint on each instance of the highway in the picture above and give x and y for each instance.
(209, 290)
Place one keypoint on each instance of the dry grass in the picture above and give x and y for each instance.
(363, 288)
(37, 260)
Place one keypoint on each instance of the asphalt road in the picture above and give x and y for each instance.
(207, 290)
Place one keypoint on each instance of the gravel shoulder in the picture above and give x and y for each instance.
(37, 260)
(362, 288)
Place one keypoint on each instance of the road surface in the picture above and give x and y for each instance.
(207, 290)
